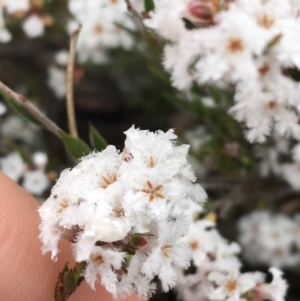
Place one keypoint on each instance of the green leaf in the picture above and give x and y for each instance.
(73, 277)
(75, 146)
(188, 24)
(59, 286)
(274, 41)
(149, 5)
(96, 139)
(68, 281)
(77, 271)
(19, 108)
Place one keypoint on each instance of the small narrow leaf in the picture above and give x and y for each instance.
(70, 284)
(68, 281)
(59, 290)
(273, 42)
(149, 5)
(96, 139)
(75, 146)
(18, 108)
(78, 269)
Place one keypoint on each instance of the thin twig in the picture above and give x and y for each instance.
(132, 10)
(140, 18)
(70, 79)
(32, 110)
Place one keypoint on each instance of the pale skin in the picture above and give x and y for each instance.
(26, 274)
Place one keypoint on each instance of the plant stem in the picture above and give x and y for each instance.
(32, 110)
(140, 18)
(70, 79)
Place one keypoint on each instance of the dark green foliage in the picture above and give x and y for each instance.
(96, 139)
(75, 146)
(18, 108)
(149, 5)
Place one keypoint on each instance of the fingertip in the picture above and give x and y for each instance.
(28, 275)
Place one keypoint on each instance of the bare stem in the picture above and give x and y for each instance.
(32, 110)
(132, 10)
(140, 19)
(70, 79)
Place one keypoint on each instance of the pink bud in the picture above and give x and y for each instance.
(142, 242)
(201, 10)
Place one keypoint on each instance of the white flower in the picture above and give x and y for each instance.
(168, 253)
(276, 290)
(35, 181)
(61, 57)
(33, 26)
(14, 127)
(216, 271)
(269, 239)
(104, 261)
(3, 109)
(291, 173)
(124, 202)
(57, 77)
(57, 81)
(232, 285)
(237, 43)
(101, 31)
(296, 153)
(5, 35)
(13, 166)
(16, 5)
(40, 159)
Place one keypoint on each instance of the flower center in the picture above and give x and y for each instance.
(264, 70)
(266, 21)
(194, 245)
(154, 192)
(164, 251)
(108, 182)
(235, 45)
(62, 205)
(98, 260)
(231, 286)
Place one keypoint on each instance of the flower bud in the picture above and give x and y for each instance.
(203, 10)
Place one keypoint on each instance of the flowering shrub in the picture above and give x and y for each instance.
(277, 236)
(218, 275)
(137, 219)
(122, 211)
(255, 57)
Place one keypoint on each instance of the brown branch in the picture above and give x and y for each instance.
(32, 110)
(140, 18)
(70, 79)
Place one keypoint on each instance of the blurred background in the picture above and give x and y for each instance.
(119, 81)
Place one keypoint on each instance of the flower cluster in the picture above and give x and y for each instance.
(3, 109)
(104, 22)
(57, 75)
(126, 213)
(281, 158)
(15, 128)
(252, 45)
(30, 12)
(217, 275)
(33, 177)
(270, 239)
